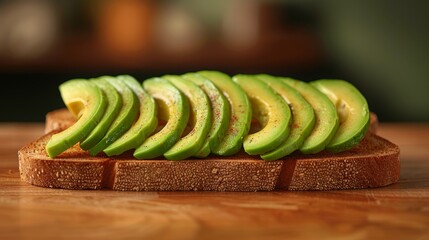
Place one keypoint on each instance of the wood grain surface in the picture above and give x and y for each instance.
(399, 211)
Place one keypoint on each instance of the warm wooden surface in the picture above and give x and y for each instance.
(399, 211)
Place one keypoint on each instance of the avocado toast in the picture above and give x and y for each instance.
(263, 146)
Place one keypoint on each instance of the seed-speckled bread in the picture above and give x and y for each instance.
(373, 163)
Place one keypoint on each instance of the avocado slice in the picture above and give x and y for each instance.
(221, 112)
(327, 121)
(114, 104)
(303, 118)
(352, 109)
(87, 103)
(143, 126)
(241, 113)
(173, 108)
(123, 120)
(200, 116)
(270, 110)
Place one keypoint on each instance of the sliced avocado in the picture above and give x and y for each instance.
(270, 110)
(123, 120)
(352, 109)
(326, 117)
(221, 113)
(114, 104)
(241, 112)
(142, 127)
(200, 116)
(87, 103)
(303, 118)
(173, 108)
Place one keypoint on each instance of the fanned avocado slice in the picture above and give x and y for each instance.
(352, 109)
(271, 111)
(326, 117)
(143, 126)
(172, 108)
(200, 117)
(124, 119)
(221, 113)
(87, 103)
(241, 113)
(303, 118)
(114, 104)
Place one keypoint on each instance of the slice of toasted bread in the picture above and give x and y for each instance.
(373, 163)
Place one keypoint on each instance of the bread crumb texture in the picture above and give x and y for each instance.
(373, 163)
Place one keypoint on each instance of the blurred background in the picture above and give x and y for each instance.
(380, 46)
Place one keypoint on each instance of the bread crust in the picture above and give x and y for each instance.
(373, 163)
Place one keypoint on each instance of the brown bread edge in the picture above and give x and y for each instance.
(75, 169)
(373, 163)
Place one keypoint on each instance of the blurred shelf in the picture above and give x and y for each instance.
(294, 49)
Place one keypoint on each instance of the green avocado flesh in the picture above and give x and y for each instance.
(303, 118)
(241, 113)
(271, 111)
(86, 102)
(352, 109)
(174, 109)
(123, 120)
(142, 127)
(200, 116)
(327, 121)
(221, 113)
(114, 104)
(208, 112)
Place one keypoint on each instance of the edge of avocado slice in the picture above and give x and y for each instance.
(87, 103)
(303, 118)
(114, 104)
(144, 125)
(327, 121)
(241, 112)
(123, 120)
(221, 112)
(271, 111)
(333, 115)
(352, 109)
(201, 116)
(170, 102)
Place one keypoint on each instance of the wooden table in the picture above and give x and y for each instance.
(399, 211)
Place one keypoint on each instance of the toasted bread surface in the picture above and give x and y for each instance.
(373, 163)
(58, 119)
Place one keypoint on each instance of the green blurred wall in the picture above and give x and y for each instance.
(384, 45)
